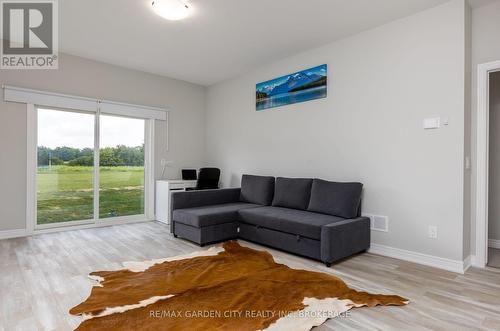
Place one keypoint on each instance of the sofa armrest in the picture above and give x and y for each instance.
(191, 199)
(345, 238)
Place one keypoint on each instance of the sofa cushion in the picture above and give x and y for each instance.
(337, 199)
(292, 193)
(257, 189)
(210, 215)
(297, 222)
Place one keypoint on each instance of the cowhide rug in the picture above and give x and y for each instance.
(224, 288)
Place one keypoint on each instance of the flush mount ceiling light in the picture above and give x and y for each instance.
(173, 10)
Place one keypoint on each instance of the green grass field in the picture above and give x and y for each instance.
(65, 193)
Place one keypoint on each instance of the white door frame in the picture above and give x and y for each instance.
(482, 148)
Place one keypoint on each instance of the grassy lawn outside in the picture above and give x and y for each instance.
(65, 193)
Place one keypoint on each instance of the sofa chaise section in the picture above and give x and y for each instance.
(206, 216)
(211, 215)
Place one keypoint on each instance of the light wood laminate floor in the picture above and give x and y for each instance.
(41, 277)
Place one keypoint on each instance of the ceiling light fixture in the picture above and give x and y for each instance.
(173, 10)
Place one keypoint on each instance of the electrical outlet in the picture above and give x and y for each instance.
(433, 232)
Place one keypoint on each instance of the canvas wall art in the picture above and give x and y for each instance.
(305, 85)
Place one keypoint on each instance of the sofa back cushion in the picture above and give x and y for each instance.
(292, 193)
(257, 189)
(336, 199)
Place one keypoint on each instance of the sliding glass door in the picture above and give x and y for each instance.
(65, 173)
(90, 167)
(121, 166)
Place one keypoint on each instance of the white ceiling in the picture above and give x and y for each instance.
(222, 38)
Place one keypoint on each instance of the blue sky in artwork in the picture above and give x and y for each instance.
(319, 70)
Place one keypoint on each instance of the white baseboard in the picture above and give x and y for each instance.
(415, 257)
(494, 243)
(8, 234)
(474, 260)
(467, 263)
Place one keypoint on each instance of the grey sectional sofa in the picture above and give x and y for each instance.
(308, 217)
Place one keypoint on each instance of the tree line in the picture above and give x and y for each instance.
(108, 157)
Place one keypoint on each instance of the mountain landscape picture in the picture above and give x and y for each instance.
(306, 85)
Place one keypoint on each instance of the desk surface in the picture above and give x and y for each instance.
(177, 181)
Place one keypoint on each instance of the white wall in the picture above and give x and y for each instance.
(382, 84)
(84, 77)
(485, 48)
(494, 173)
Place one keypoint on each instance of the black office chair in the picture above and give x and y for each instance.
(208, 179)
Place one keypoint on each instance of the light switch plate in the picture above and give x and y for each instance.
(432, 123)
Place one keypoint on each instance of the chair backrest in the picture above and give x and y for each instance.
(208, 179)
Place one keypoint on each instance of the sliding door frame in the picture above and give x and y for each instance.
(32, 167)
(97, 159)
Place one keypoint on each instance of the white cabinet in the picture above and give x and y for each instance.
(164, 189)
